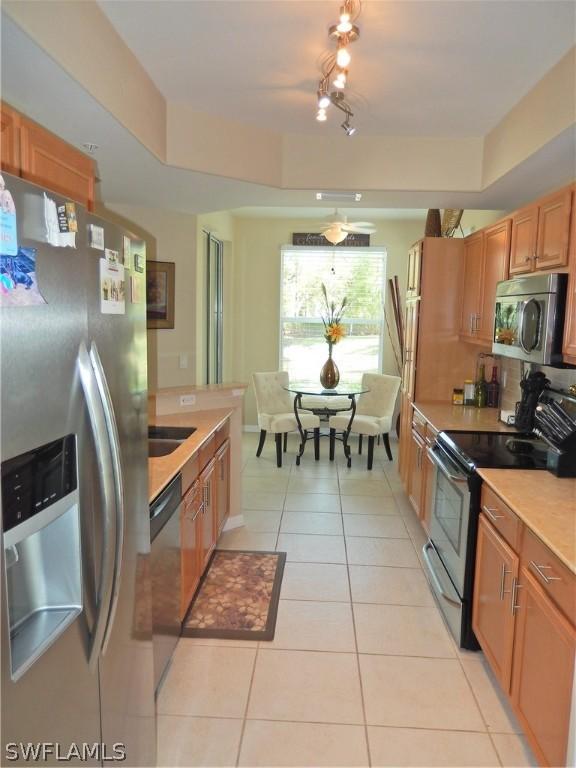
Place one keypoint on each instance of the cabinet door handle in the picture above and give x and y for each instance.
(540, 571)
(471, 323)
(503, 574)
(514, 593)
(491, 512)
(478, 319)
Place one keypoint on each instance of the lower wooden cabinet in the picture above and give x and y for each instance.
(208, 480)
(523, 617)
(428, 491)
(416, 472)
(191, 544)
(543, 673)
(223, 482)
(492, 609)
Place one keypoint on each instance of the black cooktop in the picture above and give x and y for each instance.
(495, 450)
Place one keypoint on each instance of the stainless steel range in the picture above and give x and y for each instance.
(450, 551)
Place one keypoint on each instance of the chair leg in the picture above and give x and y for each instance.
(285, 441)
(359, 445)
(387, 445)
(278, 438)
(370, 451)
(317, 443)
(332, 443)
(261, 442)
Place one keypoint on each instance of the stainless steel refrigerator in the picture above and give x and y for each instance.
(77, 663)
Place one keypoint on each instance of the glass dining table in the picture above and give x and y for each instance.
(325, 402)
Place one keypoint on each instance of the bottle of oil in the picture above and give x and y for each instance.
(481, 389)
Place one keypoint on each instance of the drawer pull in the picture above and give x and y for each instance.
(491, 512)
(540, 571)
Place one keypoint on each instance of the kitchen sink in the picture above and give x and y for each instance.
(170, 433)
(164, 440)
(162, 447)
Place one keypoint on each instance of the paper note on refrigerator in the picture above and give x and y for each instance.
(18, 282)
(54, 234)
(8, 230)
(112, 288)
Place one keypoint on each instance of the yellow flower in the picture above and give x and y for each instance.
(334, 333)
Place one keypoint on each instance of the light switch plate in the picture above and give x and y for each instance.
(187, 400)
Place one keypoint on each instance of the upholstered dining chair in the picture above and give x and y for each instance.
(373, 415)
(276, 412)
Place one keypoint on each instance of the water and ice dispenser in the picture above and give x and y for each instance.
(42, 554)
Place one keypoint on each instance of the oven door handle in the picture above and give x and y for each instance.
(434, 577)
(440, 464)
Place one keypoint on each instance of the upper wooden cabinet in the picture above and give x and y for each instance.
(35, 154)
(10, 146)
(569, 350)
(540, 234)
(485, 264)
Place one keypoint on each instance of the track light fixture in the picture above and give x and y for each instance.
(336, 64)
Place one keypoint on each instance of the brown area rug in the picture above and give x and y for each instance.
(238, 597)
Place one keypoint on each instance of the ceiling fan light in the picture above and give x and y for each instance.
(335, 235)
(345, 25)
(321, 115)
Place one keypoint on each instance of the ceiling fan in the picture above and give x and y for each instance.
(335, 228)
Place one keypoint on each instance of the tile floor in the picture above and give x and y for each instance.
(362, 670)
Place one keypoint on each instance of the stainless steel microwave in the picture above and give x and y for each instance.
(529, 318)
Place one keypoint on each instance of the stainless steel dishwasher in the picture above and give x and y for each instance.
(165, 575)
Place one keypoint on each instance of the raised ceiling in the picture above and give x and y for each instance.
(420, 68)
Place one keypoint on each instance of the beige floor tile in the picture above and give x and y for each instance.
(262, 500)
(312, 522)
(300, 745)
(265, 484)
(402, 630)
(493, 705)
(416, 747)
(197, 741)
(311, 468)
(315, 581)
(306, 687)
(370, 551)
(365, 486)
(513, 751)
(308, 548)
(312, 502)
(299, 484)
(219, 642)
(307, 625)
(261, 521)
(384, 526)
(207, 680)
(241, 538)
(392, 586)
(369, 505)
(418, 693)
(265, 468)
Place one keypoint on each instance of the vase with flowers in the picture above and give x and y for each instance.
(333, 333)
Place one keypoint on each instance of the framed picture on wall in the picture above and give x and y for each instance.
(160, 277)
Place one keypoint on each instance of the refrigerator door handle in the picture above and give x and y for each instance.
(114, 442)
(105, 475)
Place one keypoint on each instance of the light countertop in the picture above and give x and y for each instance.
(162, 469)
(546, 504)
(445, 416)
(185, 389)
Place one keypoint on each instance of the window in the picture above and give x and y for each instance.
(214, 308)
(357, 273)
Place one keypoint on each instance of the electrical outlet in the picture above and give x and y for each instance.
(504, 379)
(187, 400)
(183, 360)
(237, 392)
